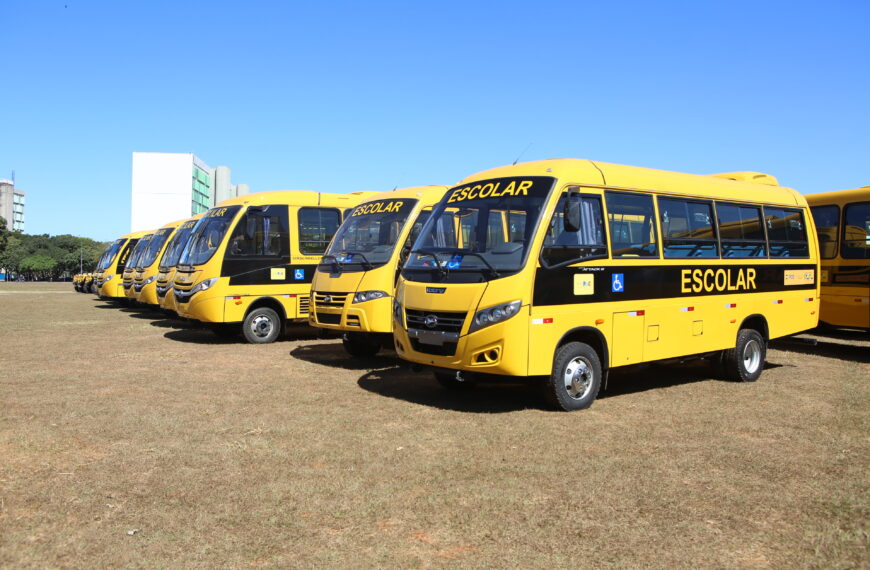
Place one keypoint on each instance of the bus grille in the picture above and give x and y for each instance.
(329, 318)
(447, 322)
(330, 299)
(446, 349)
(304, 304)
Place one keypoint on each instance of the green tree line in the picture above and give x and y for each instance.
(44, 256)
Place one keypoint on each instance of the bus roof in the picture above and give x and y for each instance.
(298, 198)
(728, 186)
(426, 194)
(839, 196)
(135, 235)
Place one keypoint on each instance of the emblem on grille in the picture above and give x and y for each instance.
(327, 299)
(431, 321)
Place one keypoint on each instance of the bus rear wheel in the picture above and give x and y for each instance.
(261, 326)
(745, 361)
(576, 377)
(360, 345)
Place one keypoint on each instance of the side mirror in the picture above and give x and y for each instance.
(571, 213)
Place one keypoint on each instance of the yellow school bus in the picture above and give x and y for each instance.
(843, 224)
(249, 263)
(168, 261)
(130, 269)
(570, 268)
(353, 286)
(146, 269)
(108, 275)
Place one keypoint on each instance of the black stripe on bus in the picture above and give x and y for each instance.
(847, 275)
(253, 272)
(557, 286)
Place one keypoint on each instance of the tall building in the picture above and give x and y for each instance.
(12, 205)
(172, 186)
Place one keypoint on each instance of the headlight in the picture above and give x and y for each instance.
(109, 278)
(397, 311)
(491, 315)
(203, 285)
(149, 280)
(368, 296)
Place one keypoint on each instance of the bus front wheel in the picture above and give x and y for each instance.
(576, 377)
(262, 325)
(745, 361)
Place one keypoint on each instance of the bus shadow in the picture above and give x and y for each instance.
(333, 354)
(421, 388)
(170, 323)
(838, 350)
(637, 379)
(199, 335)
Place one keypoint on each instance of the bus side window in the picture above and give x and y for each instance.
(316, 228)
(563, 247)
(741, 231)
(632, 224)
(687, 228)
(786, 232)
(827, 219)
(261, 233)
(856, 231)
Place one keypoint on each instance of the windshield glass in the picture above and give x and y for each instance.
(110, 254)
(149, 255)
(369, 234)
(481, 229)
(176, 245)
(207, 235)
(138, 250)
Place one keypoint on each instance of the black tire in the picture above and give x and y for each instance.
(261, 326)
(455, 379)
(576, 378)
(745, 361)
(360, 345)
(225, 330)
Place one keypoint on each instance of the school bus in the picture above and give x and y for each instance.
(130, 269)
(108, 275)
(168, 261)
(249, 263)
(354, 283)
(570, 268)
(146, 269)
(843, 223)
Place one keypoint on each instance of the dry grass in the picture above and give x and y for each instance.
(127, 439)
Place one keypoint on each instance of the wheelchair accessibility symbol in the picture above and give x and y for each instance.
(298, 274)
(618, 283)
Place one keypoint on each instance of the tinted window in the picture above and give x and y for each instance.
(827, 219)
(261, 232)
(632, 225)
(687, 228)
(786, 232)
(741, 231)
(561, 246)
(856, 231)
(316, 228)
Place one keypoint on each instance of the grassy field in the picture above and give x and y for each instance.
(128, 439)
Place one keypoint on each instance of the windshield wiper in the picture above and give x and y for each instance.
(336, 267)
(441, 271)
(483, 259)
(368, 266)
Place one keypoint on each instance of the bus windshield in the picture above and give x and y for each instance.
(110, 254)
(138, 250)
(481, 229)
(149, 255)
(176, 245)
(368, 236)
(208, 235)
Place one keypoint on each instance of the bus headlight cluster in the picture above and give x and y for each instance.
(149, 280)
(363, 296)
(203, 285)
(491, 315)
(109, 278)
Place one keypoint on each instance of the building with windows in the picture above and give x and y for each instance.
(172, 186)
(12, 205)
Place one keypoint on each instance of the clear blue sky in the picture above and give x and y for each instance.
(342, 96)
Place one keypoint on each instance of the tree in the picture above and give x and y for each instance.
(39, 266)
(4, 234)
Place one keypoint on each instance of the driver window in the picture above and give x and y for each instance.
(562, 246)
(631, 218)
(261, 233)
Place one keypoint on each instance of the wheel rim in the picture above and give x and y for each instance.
(752, 356)
(578, 378)
(261, 326)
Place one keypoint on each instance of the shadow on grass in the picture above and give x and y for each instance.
(333, 354)
(421, 388)
(840, 351)
(199, 333)
(174, 323)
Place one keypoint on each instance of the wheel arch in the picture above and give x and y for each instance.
(271, 303)
(591, 336)
(758, 323)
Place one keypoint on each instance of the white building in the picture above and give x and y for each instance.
(173, 186)
(12, 205)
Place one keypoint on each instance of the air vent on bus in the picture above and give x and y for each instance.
(754, 177)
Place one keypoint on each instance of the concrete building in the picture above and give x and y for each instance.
(12, 205)
(172, 186)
